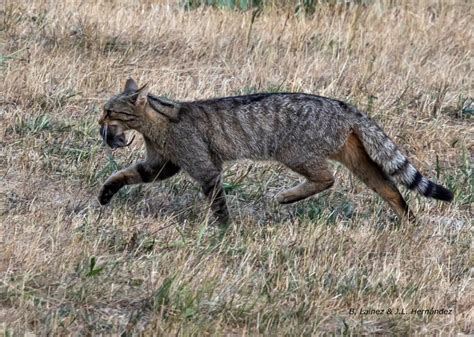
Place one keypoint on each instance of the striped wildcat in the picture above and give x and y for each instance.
(302, 131)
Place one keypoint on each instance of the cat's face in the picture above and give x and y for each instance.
(122, 112)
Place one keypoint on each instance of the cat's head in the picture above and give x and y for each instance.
(135, 109)
(122, 112)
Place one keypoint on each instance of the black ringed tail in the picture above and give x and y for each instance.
(383, 151)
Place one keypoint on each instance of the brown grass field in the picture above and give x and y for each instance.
(151, 261)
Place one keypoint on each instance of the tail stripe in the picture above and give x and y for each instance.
(400, 168)
(416, 180)
(384, 152)
(396, 160)
(429, 189)
(406, 175)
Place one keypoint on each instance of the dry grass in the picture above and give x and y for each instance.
(150, 261)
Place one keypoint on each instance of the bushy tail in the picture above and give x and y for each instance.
(383, 151)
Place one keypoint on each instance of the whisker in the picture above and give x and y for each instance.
(104, 134)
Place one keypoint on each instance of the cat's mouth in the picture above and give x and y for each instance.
(121, 142)
(114, 140)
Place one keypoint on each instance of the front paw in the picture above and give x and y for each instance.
(105, 195)
(222, 218)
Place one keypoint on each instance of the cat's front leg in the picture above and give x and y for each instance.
(141, 172)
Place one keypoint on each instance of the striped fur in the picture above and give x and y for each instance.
(386, 154)
(301, 131)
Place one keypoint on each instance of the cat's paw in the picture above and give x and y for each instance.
(105, 195)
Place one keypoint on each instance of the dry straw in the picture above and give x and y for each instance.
(150, 262)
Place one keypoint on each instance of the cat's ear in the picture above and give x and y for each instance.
(141, 96)
(130, 87)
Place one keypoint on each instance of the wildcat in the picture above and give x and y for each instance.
(301, 131)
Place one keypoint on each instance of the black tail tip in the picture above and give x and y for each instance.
(442, 193)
